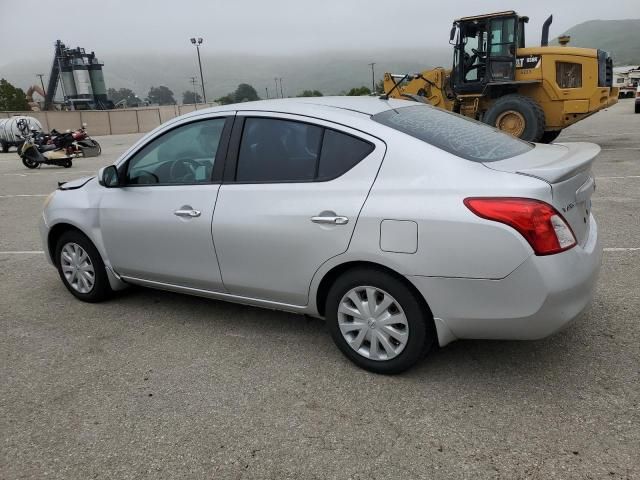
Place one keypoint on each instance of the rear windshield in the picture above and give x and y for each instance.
(453, 133)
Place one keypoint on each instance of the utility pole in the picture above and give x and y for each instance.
(281, 92)
(197, 42)
(276, 80)
(195, 95)
(373, 78)
(266, 89)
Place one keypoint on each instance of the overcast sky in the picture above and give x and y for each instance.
(269, 27)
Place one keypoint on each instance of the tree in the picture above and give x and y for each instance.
(12, 98)
(380, 86)
(245, 93)
(226, 100)
(191, 97)
(129, 97)
(358, 91)
(160, 95)
(310, 93)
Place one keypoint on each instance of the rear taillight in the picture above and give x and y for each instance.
(538, 222)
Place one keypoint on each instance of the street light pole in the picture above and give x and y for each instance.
(373, 78)
(281, 92)
(276, 80)
(266, 89)
(197, 42)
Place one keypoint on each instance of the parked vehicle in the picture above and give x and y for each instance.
(34, 155)
(78, 142)
(10, 134)
(638, 99)
(400, 223)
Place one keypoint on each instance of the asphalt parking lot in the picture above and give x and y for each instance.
(160, 385)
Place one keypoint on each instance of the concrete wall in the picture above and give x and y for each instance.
(111, 122)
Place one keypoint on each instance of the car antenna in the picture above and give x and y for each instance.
(385, 96)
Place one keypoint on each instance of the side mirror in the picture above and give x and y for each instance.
(108, 177)
(452, 34)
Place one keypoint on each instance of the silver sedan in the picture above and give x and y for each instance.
(401, 224)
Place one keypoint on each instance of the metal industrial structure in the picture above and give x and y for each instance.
(80, 75)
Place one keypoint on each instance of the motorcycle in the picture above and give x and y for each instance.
(77, 143)
(34, 155)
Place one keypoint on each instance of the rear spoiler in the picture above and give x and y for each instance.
(549, 162)
(579, 157)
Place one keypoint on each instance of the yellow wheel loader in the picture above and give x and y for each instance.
(532, 93)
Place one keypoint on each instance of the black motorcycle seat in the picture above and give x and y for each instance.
(47, 148)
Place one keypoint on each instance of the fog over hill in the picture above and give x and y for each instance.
(329, 72)
(621, 38)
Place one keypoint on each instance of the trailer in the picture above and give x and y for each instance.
(10, 135)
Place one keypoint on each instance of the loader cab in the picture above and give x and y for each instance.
(485, 49)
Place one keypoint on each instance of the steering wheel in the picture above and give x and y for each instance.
(183, 170)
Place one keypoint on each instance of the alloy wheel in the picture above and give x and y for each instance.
(373, 323)
(77, 267)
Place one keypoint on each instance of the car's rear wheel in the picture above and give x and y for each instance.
(637, 107)
(81, 268)
(377, 321)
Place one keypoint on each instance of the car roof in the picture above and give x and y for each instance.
(324, 107)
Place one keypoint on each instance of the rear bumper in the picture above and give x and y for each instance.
(537, 299)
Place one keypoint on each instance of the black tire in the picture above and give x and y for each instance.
(637, 107)
(422, 334)
(527, 107)
(29, 163)
(5, 147)
(67, 164)
(549, 136)
(101, 289)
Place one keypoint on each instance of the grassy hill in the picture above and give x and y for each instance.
(621, 38)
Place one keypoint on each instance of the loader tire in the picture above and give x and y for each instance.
(518, 115)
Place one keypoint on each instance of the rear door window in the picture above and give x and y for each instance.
(453, 133)
(273, 150)
(277, 150)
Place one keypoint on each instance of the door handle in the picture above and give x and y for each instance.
(191, 213)
(331, 220)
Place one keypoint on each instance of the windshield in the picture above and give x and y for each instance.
(453, 133)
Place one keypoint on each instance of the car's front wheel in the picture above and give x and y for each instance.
(81, 267)
(378, 322)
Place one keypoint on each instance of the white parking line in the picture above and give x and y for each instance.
(22, 252)
(49, 172)
(617, 178)
(619, 249)
(25, 195)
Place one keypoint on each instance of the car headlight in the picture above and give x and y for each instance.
(569, 75)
